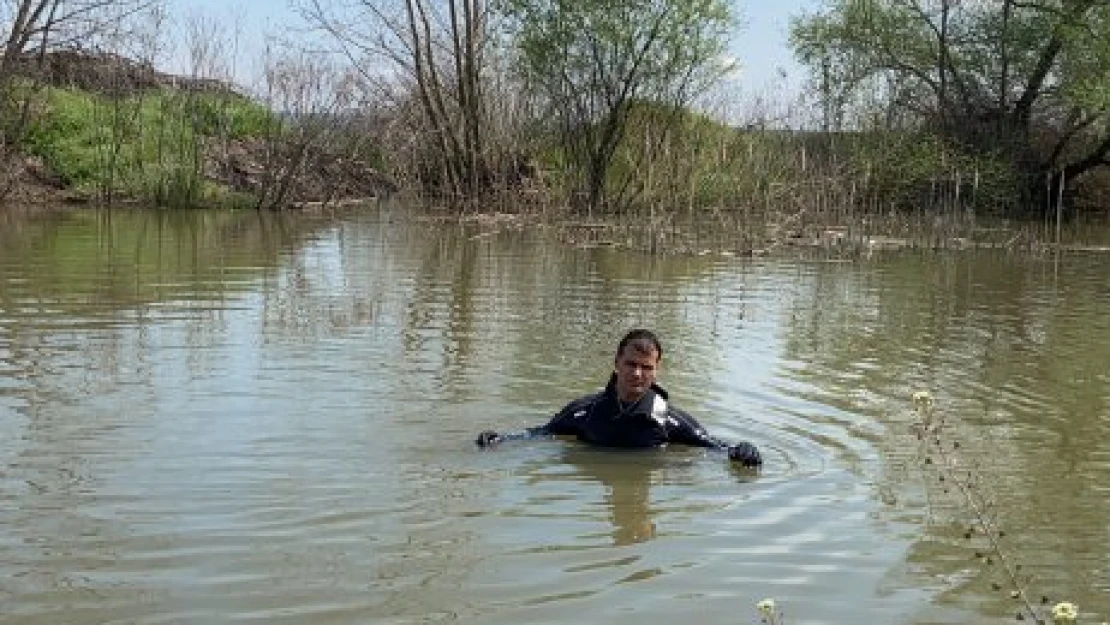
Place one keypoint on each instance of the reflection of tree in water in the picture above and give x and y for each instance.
(94, 292)
(483, 302)
(87, 270)
(88, 295)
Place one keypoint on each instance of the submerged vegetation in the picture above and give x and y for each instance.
(953, 477)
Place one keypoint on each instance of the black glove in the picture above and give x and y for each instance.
(488, 438)
(746, 454)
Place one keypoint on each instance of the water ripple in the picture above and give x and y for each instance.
(282, 433)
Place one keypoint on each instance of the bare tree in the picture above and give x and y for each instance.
(431, 53)
(33, 27)
(311, 99)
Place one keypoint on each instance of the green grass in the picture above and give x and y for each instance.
(702, 163)
(147, 146)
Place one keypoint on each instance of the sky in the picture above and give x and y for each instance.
(761, 46)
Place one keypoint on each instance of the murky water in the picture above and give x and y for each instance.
(216, 417)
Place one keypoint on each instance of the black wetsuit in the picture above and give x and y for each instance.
(602, 419)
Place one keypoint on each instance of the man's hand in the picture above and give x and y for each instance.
(746, 454)
(489, 438)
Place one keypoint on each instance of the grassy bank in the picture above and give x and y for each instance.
(681, 181)
(152, 147)
(689, 161)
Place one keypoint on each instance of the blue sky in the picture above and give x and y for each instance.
(761, 46)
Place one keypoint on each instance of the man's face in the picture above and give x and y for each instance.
(636, 367)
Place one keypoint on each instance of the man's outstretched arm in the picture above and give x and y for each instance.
(685, 429)
(489, 438)
(566, 422)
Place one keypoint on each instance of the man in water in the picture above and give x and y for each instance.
(632, 411)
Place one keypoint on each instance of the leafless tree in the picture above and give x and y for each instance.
(429, 60)
(311, 99)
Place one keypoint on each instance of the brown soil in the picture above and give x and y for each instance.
(248, 167)
(29, 183)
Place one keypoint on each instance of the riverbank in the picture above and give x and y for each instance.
(720, 234)
(109, 131)
(103, 129)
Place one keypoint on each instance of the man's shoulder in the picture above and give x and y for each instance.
(566, 421)
(682, 417)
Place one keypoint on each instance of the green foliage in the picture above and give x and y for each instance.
(67, 136)
(1024, 82)
(642, 45)
(590, 61)
(671, 153)
(231, 115)
(905, 169)
(1085, 68)
(953, 54)
(148, 146)
(699, 164)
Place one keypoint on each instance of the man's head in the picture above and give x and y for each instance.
(636, 364)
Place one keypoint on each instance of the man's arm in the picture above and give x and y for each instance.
(565, 423)
(685, 429)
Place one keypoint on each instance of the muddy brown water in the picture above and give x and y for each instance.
(211, 417)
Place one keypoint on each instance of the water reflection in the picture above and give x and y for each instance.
(225, 416)
(625, 477)
(1014, 350)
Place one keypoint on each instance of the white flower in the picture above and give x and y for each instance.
(766, 607)
(1065, 612)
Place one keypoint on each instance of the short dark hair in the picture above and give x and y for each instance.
(642, 340)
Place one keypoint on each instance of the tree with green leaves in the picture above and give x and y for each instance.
(591, 61)
(1026, 81)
